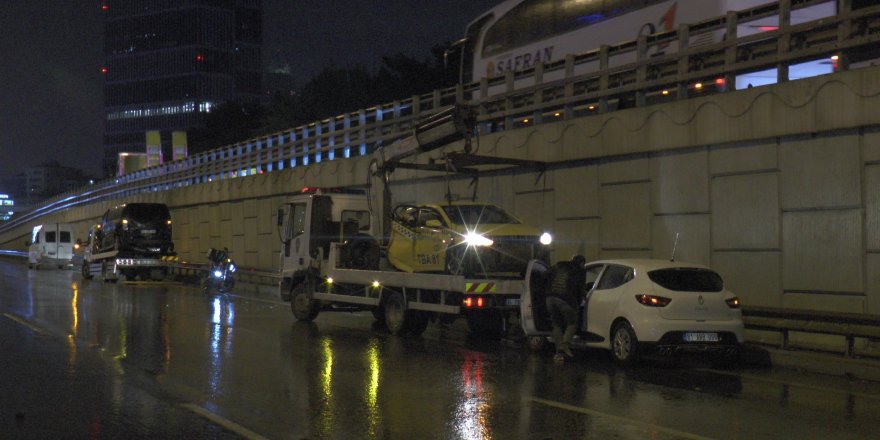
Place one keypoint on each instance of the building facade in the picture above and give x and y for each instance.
(168, 62)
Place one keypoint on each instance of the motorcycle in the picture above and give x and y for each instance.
(220, 274)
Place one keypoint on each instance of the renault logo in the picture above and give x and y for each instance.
(700, 299)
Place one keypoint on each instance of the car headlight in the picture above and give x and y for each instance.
(546, 238)
(474, 239)
(231, 267)
(218, 274)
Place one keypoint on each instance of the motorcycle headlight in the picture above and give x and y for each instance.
(546, 238)
(232, 267)
(474, 239)
(218, 273)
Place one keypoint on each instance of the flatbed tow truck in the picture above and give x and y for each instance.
(333, 240)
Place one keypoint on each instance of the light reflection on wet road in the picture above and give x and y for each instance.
(170, 353)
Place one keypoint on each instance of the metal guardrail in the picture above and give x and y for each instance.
(544, 93)
(849, 325)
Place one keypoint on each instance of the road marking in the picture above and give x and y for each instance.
(620, 419)
(35, 329)
(225, 423)
(799, 385)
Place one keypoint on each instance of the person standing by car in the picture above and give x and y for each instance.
(566, 283)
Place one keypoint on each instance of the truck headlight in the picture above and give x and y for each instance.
(546, 238)
(474, 239)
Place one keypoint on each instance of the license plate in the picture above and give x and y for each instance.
(701, 337)
(511, 302)
(149, 231)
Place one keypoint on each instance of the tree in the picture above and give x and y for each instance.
(227, 123)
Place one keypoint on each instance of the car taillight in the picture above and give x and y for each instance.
(653, 300)
(733, 303)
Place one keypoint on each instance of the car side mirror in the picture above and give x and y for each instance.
(433, 223)
(280, 217)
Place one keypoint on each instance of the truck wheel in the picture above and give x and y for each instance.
(395, 313)
(301, 303)
(416, 322)
(378, 313)
(86, 271)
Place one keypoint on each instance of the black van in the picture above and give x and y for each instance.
(142, 228)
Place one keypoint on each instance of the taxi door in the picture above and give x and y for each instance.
(430, 243)
(533, 312)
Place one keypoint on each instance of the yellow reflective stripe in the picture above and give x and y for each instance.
(479, 287)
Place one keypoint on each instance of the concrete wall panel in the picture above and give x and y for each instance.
(828, 303)
(693, 238)
(576, 192)
(823, 251)
(626, 216)
(872, 301)
(871, 146)
(625, 171)
(753, 276)
(743, 157)
(572, 237)
(821, 173)
(872, 207)
(745, 212)
(680, 183)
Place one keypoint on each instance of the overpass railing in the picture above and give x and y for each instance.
(605, 79)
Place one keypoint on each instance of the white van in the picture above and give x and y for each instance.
(51, 244)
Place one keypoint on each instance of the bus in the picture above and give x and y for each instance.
(518, 34)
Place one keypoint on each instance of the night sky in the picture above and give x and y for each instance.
(51, 96)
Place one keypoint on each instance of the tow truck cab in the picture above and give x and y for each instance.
(310, 221)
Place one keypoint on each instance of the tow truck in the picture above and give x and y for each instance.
(132, 243)
(333, 241)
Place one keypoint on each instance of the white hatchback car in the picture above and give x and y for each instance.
(630, 306)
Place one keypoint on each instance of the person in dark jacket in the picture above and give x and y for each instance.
(564, 295)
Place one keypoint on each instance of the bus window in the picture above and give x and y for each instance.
(50, 236)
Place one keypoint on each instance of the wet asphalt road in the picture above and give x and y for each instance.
(94, 360)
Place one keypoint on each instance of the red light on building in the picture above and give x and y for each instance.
(200, 58)
(105, 7)
(104, 70)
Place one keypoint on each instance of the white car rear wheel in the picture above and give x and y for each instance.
(624, 344)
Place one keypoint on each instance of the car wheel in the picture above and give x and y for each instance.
(624, 344)
(86, 271)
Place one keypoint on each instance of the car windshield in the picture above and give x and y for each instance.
(477, 215)
(147, 213)
(687, 279)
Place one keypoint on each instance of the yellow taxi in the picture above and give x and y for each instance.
(466, 238)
